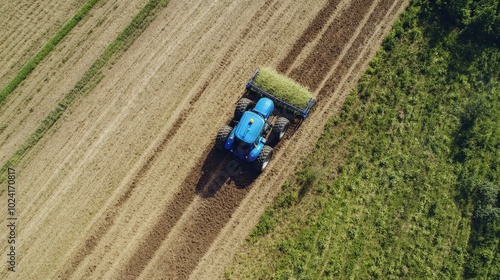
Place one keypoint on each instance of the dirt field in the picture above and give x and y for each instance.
(126, 184)
(57, 74)
(26, 26)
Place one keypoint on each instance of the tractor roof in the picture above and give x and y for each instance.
(265, 107)
(249, 127)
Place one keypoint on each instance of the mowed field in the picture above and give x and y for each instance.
(127, 184)
(26, 26)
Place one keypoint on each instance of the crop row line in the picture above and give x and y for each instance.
(90, 78)
(51, 44)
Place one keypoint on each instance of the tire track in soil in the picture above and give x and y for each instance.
(222, 183)
(384, 10)
(308, 35)
(351, 60)
(202, 175)
(376, 13)
(219, 202)
(219, 199)
(314, 68)
(213, 212)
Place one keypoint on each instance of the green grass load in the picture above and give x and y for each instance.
(283, 87)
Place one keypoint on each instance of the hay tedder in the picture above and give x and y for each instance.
(257, 126)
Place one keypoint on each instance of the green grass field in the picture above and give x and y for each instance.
(405, 180)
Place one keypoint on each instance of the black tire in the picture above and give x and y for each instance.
(263, 159)
(243, 105)
(222, 137)
(279, 129)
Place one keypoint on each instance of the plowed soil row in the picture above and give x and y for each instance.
(127, 185)
(313, 29)
(314, 68)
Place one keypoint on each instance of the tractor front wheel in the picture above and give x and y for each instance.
(222, 137)
(263, 159)
(243, 105)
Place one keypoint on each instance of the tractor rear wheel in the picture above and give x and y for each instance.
(279, 129)
(263, 159)
(243, 105)
(222, 137)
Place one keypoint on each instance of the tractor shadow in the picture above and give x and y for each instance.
(221, 168)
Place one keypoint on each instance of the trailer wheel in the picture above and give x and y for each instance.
(263, 159)
(279, 129)
(222, 137)
(243, 105)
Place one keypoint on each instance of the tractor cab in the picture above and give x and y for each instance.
(247, 136)
(264, 107)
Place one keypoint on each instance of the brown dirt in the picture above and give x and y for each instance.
(313, 70)
(313, 29)
(127, 185)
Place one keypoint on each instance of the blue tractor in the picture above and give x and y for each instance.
(256, 129)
